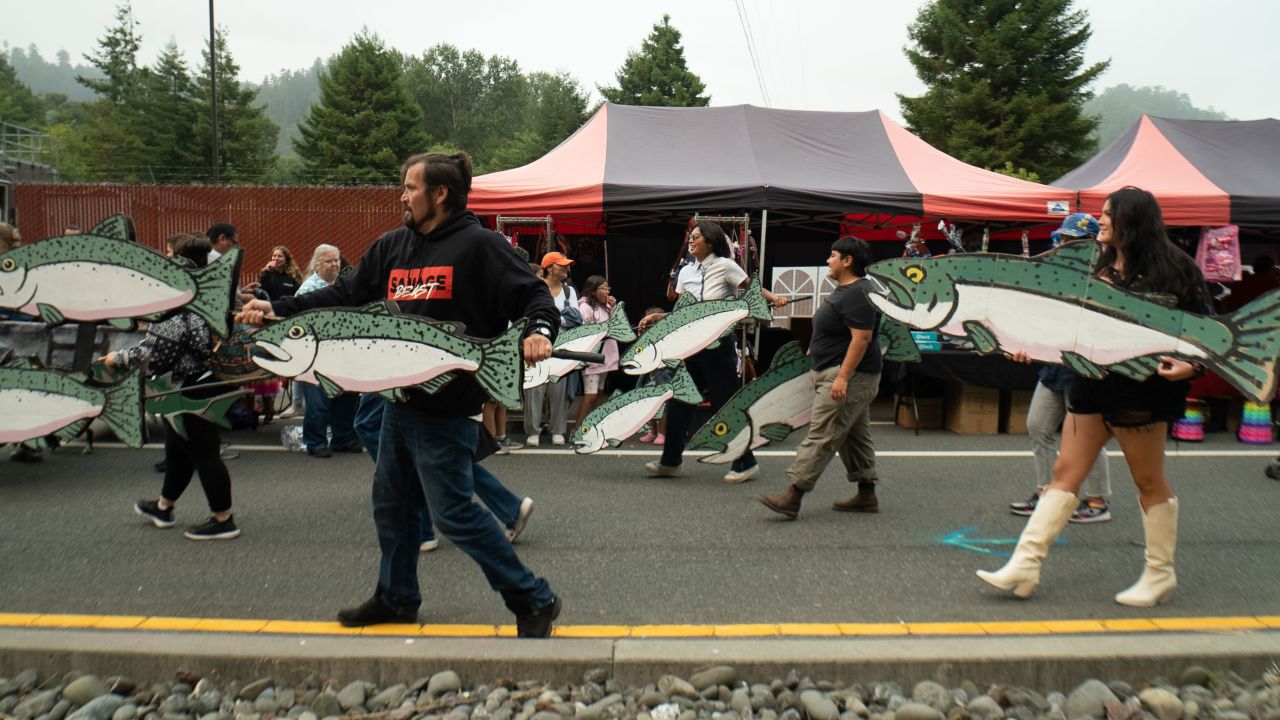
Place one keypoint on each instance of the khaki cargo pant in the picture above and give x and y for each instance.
(843, 427)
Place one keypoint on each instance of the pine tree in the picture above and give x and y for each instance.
(117, 60)
(246, 137)
(1006, 83)
(111, 149)
(365, 124)
(658, 74)
(18, 105)
(169, 118)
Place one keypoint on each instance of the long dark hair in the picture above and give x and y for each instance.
(715, 237)
(1137, 227)
(590, 287)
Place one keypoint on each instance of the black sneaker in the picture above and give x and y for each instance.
(214, 529)
(537, 624)
(25, 454)
(1025, 507)
(150, 509)
(323, 452)
(375, 612)
(162, 466)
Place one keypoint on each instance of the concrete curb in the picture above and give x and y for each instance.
(1037, 662)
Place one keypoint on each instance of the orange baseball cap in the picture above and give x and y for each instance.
(554, 258)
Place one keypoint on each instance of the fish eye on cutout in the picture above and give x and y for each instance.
(721, 428)
(297, 331)
(915, 273)
(8, 265)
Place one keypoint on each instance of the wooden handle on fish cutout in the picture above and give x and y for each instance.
(587, 357)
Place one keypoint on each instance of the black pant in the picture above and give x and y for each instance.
(199, 453)
(715, 372)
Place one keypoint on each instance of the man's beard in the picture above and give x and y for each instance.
(413, 224)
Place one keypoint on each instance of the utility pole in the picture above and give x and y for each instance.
(213, 88)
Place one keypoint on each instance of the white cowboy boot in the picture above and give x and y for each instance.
(1158, 579)
(1022, 573)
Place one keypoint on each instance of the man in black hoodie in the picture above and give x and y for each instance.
(446, 266)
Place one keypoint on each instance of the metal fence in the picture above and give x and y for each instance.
(297, 217)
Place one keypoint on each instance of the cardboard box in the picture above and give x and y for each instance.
(972, 410)
(930, 410)
(1015, 412)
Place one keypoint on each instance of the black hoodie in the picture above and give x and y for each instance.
(471, 275)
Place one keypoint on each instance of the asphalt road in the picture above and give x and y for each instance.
(623, 549)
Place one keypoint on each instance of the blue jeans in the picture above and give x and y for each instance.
(431, 459)
(495, 496)
(323, 413)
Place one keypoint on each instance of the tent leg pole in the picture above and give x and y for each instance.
(764, 242)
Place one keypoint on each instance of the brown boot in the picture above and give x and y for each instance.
(864, 502)
(787, 503)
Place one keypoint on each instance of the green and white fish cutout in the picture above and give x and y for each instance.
(584, 338)
(692, 326)
(1053, 309)
(372, 350)
(163, 401)
(39, 401)
(94, 277)
(624, 413)
(765, 410)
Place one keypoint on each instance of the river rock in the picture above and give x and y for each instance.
(928, 692)
(101, 707)
(817, 706)
(1089, 700)
(26, 680)
(1162, 703)
(741, 701)
(917, 711)
(127, 711)
(36, 704)
(1195, 675)
(84, 689)
(718, 675)
(326, 704)
(1026, 697)
(251, 691)
(388, 697)
(443, 682)
(351, 695)
(673, 686)
(984, 707)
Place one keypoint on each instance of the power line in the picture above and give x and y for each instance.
(751, 51)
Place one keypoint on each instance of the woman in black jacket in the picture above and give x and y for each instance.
(182, 345)
(281, 277)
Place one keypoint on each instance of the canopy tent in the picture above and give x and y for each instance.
(628, 159)
(1204, 172)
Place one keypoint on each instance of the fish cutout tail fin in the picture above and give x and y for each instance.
(684, 388)
(1250, 364)
(619, 325)
(215, 286)
(499, 371)
(789, 353)
(122, 411)
(757, 306)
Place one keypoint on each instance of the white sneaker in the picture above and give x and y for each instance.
(557, 439)
(531, 441)
(522, 519)
(733, 477)
(657, 469)
(429, 545)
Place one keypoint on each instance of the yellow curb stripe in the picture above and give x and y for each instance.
(742, 630)
(946, 629)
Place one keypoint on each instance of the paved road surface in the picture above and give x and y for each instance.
(623, 549)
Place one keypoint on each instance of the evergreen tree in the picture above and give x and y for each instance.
(246, 137)
(169, 118)
(117, 60)
(365, 124)
(18, 105)
(557, 108)
(658, 74)
(1006, 83)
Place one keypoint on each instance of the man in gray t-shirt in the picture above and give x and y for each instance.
(846, 378)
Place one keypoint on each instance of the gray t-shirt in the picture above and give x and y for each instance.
(846, 308)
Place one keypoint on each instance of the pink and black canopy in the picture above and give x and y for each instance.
(1204, 172)
(636, 159)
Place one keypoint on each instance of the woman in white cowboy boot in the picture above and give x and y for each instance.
(1136, 256)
